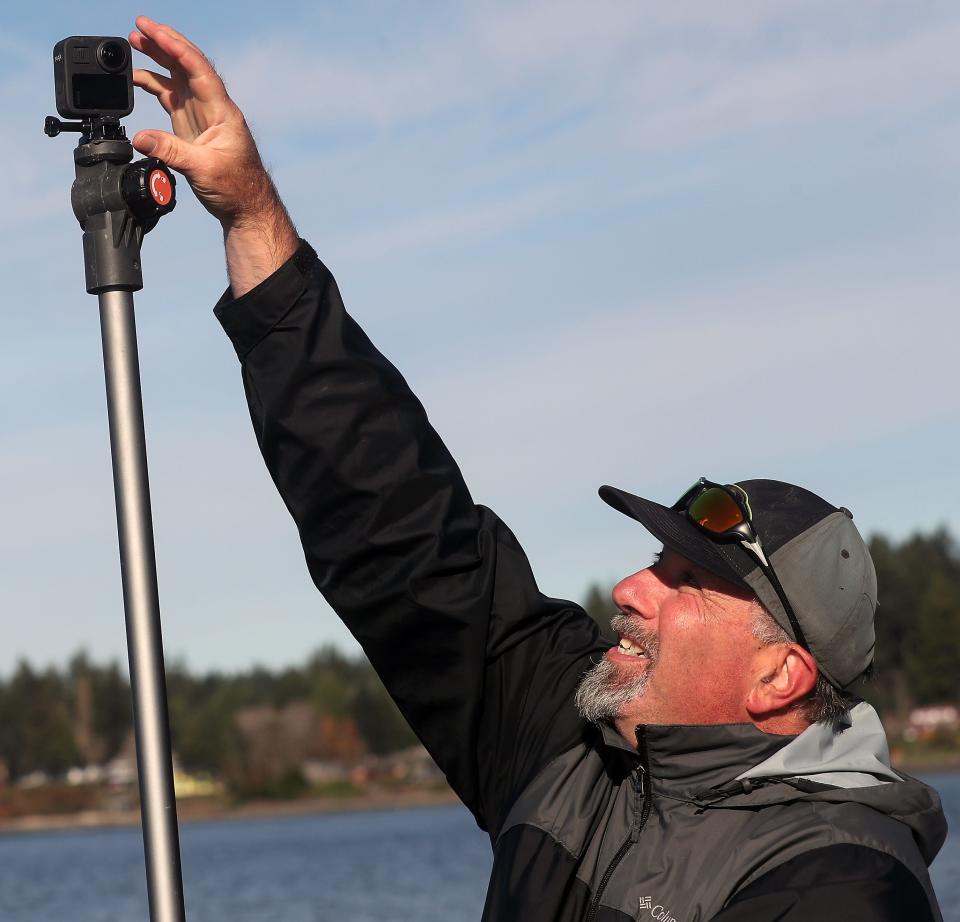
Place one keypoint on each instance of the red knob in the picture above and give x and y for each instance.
(149, 189)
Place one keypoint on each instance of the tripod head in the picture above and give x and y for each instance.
(92, 128)
(115, 201)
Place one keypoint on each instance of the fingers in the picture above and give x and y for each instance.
(157, 85)
(152, 50)
(167, 147)
(169, 48)
(146, 24)
(173, 32)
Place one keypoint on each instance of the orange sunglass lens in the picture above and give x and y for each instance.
(716, 511)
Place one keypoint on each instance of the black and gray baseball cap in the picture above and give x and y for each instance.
(816, 552)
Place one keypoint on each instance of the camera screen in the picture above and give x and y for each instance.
(99, 92)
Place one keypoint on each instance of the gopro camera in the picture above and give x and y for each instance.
(93, 75)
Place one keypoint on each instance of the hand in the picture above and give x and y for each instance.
(211, 144)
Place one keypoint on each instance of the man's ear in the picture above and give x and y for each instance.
(785, 674)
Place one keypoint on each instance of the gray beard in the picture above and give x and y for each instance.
(607, 688)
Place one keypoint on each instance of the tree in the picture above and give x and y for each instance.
(906, 575)
(379, 720)
(933, 653)
(36, 732)
(112, 707)
(599, 606)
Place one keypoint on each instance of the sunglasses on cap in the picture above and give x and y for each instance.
(723, 514)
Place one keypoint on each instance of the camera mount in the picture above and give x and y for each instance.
(93, 128)
(117, 202)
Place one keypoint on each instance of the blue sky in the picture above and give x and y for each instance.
(628, 243)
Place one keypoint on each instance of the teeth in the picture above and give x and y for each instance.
(628, 646)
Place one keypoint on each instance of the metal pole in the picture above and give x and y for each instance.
(141, 604)
(116, 203)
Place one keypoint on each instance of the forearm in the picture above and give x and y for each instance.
(433, 587)
(388, 528)
(258, 246)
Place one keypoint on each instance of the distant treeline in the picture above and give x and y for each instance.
(248, 728)
(918, 622)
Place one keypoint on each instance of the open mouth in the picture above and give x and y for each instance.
(629, 651)
(631, 647)
(636, 641)
(637, 645)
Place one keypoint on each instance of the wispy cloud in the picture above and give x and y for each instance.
(489, 124)
(816, 81)
(639, 390)
(710, 66)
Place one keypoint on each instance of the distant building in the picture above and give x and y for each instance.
(87, 774)
(35, 779)
(926, 721)
(411, 766)
(324, 771)
(187, 785)
(121, 771)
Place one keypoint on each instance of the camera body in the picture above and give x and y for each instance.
(93, 75)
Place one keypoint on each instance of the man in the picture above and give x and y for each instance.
(706, 767)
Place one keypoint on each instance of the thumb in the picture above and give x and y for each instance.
(166, 147)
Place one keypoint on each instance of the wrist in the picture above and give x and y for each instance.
(267, 212)
(257, 244)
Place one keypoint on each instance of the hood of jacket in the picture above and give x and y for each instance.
(738, 766)
(845, 763)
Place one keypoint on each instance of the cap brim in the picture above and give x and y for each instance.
(682, 536)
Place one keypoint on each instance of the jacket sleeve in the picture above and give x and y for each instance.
(436, 590)
(838, 883)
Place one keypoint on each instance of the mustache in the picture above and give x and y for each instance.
(607, 688)
(634, 630)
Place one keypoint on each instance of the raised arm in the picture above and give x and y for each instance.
(436, 589)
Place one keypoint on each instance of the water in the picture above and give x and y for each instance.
(424, 865)
(946, 868)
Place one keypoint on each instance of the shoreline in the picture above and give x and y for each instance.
(212, 811)
(200, 810)
(946, 763)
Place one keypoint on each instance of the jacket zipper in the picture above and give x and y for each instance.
(641, 787)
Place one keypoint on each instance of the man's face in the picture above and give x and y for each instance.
(686, 649)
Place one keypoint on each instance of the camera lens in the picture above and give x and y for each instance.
(112, 55)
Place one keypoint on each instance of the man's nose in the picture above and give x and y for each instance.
(637, 595)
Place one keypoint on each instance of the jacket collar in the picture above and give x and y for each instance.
(687, 759)
(853, 754)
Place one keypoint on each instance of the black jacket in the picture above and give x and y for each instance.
(484, 667)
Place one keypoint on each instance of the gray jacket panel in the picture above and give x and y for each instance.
(716, 823)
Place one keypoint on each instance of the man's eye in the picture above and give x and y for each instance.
(690, 580)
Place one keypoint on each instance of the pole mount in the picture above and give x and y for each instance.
(115, 201)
